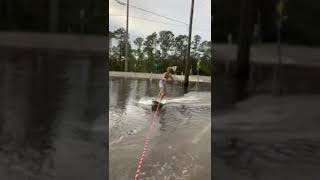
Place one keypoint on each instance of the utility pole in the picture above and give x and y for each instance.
(54, 16)
(155, 55)
(110, 36)
(127, 39)
(186, 77)
(244, 44)
(277, 68)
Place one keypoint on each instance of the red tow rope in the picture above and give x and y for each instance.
(146, 144)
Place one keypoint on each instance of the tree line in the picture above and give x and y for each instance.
(157, 51)
(299, 28)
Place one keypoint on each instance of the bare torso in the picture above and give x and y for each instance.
(166, 76)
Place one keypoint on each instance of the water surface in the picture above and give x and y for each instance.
(180, 142)
(52, 118)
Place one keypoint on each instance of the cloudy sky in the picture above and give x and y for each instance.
(143, 23)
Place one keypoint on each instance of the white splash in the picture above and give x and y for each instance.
(192, 97)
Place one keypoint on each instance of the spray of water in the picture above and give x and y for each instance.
(189, 98)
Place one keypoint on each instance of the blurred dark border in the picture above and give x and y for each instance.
(238, 25)
(51, 29)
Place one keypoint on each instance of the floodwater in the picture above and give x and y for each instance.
(52, 119)
(268, 138)
(180, 143)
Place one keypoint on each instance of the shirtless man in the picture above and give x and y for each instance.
(162, 83)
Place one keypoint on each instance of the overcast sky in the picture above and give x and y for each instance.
(177, 9)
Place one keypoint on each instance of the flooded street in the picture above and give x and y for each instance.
(52, 118)
(268, 137)
(179, 147)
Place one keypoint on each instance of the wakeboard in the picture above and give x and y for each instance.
(155, 104)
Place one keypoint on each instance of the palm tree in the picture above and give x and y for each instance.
(110, 37)
(195, 44)
(180, 45)
(166, 40)
(138, 42)
(119, 35)
(149, 44)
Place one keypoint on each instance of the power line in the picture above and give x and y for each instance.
(172, 19)
(142, 9)
(161, 15)
(135, 17)
(157, 21)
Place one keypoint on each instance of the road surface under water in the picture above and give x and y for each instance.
(52, 120)
(268, 138)
(179, 147)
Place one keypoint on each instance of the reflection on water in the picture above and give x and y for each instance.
(52, 117)
(255, 160)
(268, 137)
(183, 123)
(134, 98)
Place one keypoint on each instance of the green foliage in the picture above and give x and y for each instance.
(166, 41)
(301, 27)
(195, 44)
(149, 44)
(147, 57)
(138, 42)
